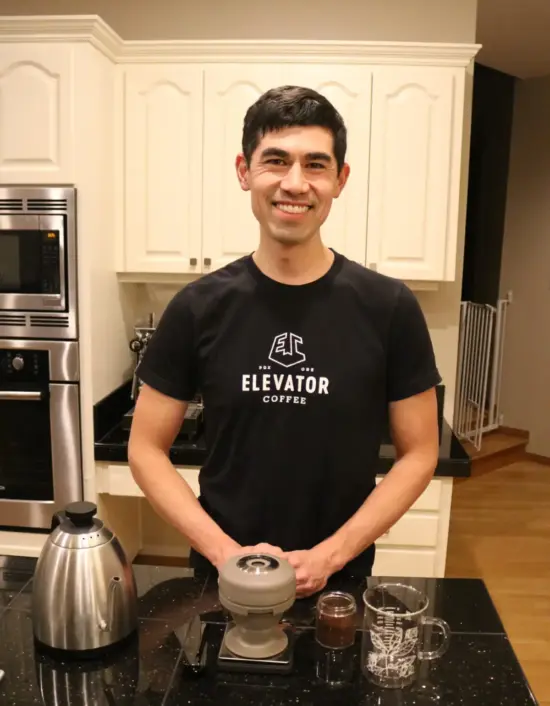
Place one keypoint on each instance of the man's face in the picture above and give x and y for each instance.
(293, 178)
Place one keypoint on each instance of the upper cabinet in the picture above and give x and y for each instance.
(399, 213)
(178, 121)
(36, 109)
(229, 228)
(160, 166)
(348, 88)
(414, 163)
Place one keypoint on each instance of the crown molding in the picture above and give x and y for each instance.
(93, 29)
(62, 28)
(299, 51)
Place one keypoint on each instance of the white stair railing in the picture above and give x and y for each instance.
(479, 370)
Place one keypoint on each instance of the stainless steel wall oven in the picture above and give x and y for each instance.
(40, 438)
(40, 465)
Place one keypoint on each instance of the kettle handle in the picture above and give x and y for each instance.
(57, 519)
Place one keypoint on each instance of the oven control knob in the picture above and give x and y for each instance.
(18, 363)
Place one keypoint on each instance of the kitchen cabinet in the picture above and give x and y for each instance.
(162, 135)
(415, 161)
(180, 146)
(349, 90)
(36, 113)
(179, 109)
(415, 546)
(229, 228)
(399, 213)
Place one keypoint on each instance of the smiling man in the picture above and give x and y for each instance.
(302, 357)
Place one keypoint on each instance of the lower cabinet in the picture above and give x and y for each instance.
(415, 546)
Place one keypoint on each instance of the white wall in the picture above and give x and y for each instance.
(396, 20)
(526, 267)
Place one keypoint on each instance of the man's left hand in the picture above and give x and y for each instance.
(313, 570)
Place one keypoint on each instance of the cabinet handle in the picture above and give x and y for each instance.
(193, 261)
(207, 262)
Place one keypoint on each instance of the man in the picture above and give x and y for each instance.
(301, 356)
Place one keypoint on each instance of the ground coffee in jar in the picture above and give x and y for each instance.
(336, 620)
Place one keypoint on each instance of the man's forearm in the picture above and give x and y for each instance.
(392, 497)
(173, 499)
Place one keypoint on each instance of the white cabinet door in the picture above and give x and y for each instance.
(36, 108)
(405, 562)
(230, 229)
(348, 88)
(415, 163)
(162, 170)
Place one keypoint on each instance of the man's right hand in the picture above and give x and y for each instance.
(237, 550)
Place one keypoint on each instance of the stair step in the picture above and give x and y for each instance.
(498, 449)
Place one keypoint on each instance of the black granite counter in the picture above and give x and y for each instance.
(479, 668)
(111, 441)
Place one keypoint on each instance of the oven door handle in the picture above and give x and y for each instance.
(21, 395)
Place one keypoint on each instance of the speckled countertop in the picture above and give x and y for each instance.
(479, 667)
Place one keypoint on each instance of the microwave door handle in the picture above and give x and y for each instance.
(20, 395)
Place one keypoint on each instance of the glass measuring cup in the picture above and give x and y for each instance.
(394, 628)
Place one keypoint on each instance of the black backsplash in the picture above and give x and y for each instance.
(109, 411)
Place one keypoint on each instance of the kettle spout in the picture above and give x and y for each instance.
(108, 624)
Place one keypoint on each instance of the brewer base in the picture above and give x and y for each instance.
(278, 664)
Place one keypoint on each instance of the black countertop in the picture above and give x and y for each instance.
(111, 441)
(479, 668)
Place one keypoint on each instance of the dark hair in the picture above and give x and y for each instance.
(288, 106)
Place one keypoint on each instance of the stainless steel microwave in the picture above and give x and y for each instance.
(37, 262)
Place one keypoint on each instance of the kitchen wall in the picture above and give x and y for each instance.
(526, 268)
(397, 20)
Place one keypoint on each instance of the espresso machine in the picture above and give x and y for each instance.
(192, 426)
(138, 345)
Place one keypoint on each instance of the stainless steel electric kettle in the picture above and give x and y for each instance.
(84, 595)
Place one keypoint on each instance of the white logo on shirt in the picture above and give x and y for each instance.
(285, 350)
(286, 387)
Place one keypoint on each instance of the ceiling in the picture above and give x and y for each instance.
(515, 35)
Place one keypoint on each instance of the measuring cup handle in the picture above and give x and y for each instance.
(445, 638)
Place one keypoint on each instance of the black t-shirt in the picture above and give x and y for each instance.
(296, 382)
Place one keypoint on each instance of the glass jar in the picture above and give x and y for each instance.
(336, 620)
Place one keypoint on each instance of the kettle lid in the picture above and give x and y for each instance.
(76, 527)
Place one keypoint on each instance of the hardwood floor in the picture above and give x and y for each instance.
(500, 532)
